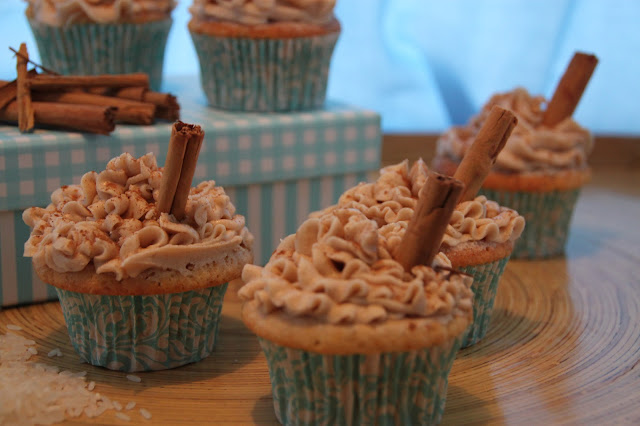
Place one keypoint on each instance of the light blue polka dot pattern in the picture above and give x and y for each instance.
(384, 389)
(91, 49)
(485, 286)
(263, 75)
(143, 333)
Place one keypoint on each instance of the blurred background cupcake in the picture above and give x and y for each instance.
(88, 37)
(539, 172)
(264, 55)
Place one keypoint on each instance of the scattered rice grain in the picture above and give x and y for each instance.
(52, 353)
(130, 405)
(133, 378)
(145, 413)
(35, 393)
(117, 405)
(91, 386)
(13, 327)
(123, 416)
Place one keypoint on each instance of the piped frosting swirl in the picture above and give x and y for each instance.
(338, 269)
(110, 220)
(67, 12)
(531, 147)
(394, 197)
(253, 12)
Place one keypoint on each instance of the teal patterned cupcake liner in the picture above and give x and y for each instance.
(547, 216)
(264, 75)
(485, 286)
(143, 333)
(90, 49)
(384, 389)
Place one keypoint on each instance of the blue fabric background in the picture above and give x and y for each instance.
(425, 64)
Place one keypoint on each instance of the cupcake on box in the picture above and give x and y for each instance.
(264, 55)
(354, 328)
(480, 234)
(543, 166)
(141, 285)
(90, 37)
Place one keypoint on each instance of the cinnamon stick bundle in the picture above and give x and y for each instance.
(182, 157)
(423, 237)
(85, 118)
(131, 112)
(482, 154)
(167, 107)
(567, 95)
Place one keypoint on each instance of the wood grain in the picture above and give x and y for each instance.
(564, 343)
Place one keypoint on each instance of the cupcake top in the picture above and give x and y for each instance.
(394, 196)
(110, 222)
(531, 147)
(254, 12)
(336, 278)
(338, 269)
(60, 13)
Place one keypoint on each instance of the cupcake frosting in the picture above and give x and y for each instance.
(253, 12)
(67, 12)
(110, 220)
(532, 146)
(394, 197)
(338, 269)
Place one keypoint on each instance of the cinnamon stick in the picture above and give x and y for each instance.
(131, 112)
(421, 242)
(567, 95)
(42, 82)
(9, 89)
(172, 167)
(26, 120)
(84, 118)
(167, 107)
(196, 135)
(482, 154)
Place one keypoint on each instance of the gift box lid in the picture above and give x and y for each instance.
(239, 148)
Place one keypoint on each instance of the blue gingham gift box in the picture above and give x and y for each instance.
(277, 168)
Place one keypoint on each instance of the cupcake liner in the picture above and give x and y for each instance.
(547, 216)
(143, 333)
(485, 286)
(90, 49)
(387, 388)
(263, 75)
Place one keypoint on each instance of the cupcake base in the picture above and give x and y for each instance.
(386, 388)
(547, 215)
(264, 74)
(485, 286)
(92, 49)
(143, 333)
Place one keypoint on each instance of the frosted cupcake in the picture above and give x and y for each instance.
(89, 37)
(139, 289)
(350, 336)
(258, 55)
(478, 240)
(539, 172)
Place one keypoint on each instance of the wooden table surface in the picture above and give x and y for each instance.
(564, 343)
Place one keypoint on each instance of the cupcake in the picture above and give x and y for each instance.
(478, 240)
(351, 336)
(540, 170)
(90, 37)
(264, 55)
(139, 289)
